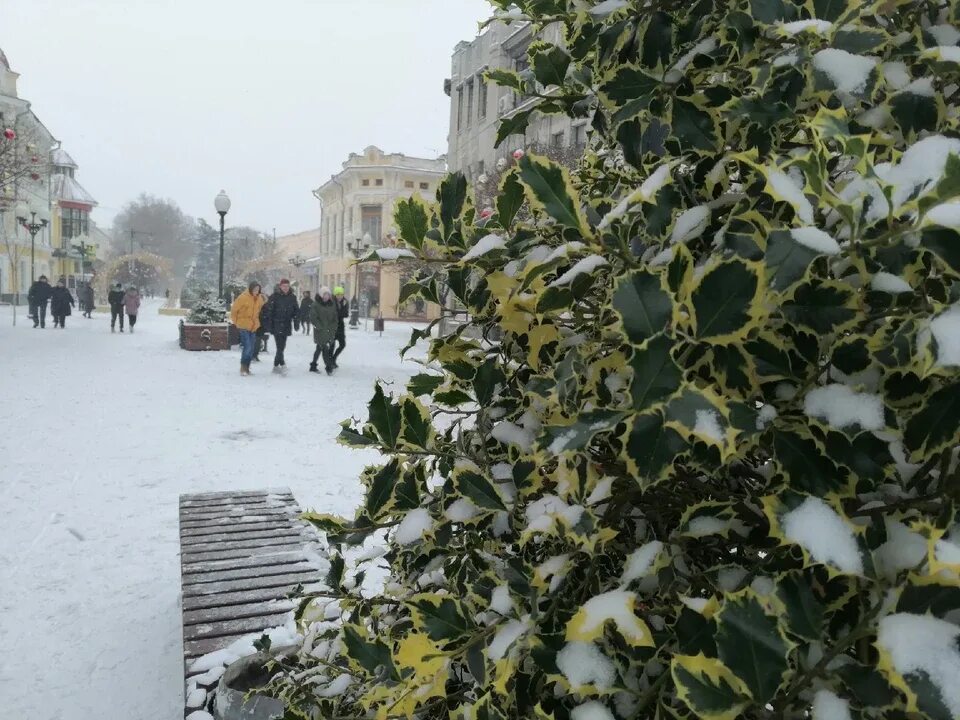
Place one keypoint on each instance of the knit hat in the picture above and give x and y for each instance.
(324, 291)
(338, 290)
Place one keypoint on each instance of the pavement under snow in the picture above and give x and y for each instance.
(103, 433)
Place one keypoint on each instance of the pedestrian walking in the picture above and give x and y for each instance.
(263, 332)
(88, 300)
(61, 302)
(131, 303)
(324, 317)
(37, 298)
(245, 314)
(343, 312)
(284, 308)
(115, 298)
(305, 305)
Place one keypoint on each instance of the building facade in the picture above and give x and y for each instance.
(356, 214)
(76, 239)
(24, 189)
(302, 252)
(477, 107)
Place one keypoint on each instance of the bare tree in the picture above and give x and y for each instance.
(24, 156)
(155, 225)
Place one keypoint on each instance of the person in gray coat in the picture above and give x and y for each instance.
(324, 317)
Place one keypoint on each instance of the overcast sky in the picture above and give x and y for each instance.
(180, 98)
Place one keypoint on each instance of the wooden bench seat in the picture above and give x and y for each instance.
(242, 554)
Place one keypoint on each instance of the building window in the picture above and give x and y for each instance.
(580, 134)
(469, 101)
(459, 108)
(424, 186)
(482, 98)
(371, 222)
(365, 183)
(408, 184)
(75, 223)
(556, 140)
(379, 182)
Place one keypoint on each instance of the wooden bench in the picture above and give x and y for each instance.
(241, 555)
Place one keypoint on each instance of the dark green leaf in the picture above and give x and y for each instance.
(644, 306)
(407, 493)
(629, 91)
(515, 124)
(369, 655)
(350, 437)
(868, 686)
(695, 633)
(858, 41)
(830, 10)
(504, 78)
(945, 244)
(937, 424)
(384, 417)
(416, 427)
(480, 490)
(444, 619)
(866, 455)
(334, 579)
(804, 613)
(546, 182)
(706, 697)
(476, 663)
(821, 307)
(558, 439)
(452, 194)
(772, 11)
(412, 223)
(750, 643)
(655, 374)
(550, 64)
(786, 259)
(723, 300)
(936, 598)
(510, 199)
(914, 113)
(424, 384)
(693, 128)
(806, 466)
(653, 446)
(485, 382)
(380, 489)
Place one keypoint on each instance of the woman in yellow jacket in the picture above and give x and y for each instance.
(245, 314)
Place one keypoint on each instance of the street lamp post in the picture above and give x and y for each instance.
(34, 225)
(357, 250)
(297, 261)
(222, 204)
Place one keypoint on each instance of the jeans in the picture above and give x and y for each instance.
(247, 340)
(116, 313)
(38, 312)
(280, 341)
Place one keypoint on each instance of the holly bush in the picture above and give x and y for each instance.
(696, 453)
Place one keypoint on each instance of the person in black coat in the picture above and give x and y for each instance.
(61, 302)
(343, 312)
(115, 298)
(283, 308)
(306, 305)
(38, 297)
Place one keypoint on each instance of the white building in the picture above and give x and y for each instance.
(477, 107)
(356, 210)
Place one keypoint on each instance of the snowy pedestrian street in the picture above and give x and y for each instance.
(104, 432)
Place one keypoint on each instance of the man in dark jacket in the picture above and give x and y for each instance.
(305, 306)
(283, 309)
(37, 298)
(115, 298)
(61, 302)
(343, 312)
(88, 298)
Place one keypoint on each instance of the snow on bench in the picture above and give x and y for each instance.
(241, 556)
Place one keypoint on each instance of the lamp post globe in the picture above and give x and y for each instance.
(222, 205)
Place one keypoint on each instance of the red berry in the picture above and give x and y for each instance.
(9, 134)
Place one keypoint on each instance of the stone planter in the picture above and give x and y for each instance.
(238, 680)
(204, 337)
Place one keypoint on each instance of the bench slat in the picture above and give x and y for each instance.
(224, 628)
(241, 597)
(264, 560)
(239, 550)
(236, 612)
(199, 579)
(251, 583)
(292, 532)
(234, 529)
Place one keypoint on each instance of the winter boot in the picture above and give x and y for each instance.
(313, 368)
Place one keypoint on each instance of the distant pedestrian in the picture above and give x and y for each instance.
(131, 303)
(38, 297)
(115, 298)
(343, 312)
(88, 299)
(324, 317)
(263, 332)
(305, 305)
(245, 314)
(61, 302)
(283, 310)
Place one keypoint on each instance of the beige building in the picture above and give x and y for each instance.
(356, 214)
(302, 252)
(478, 107)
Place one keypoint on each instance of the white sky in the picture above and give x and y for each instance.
(180, 98)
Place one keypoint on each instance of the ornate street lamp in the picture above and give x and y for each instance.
(222, 204)
(358, 252)
(39, 219)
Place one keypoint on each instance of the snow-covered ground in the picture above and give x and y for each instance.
(102, 434)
